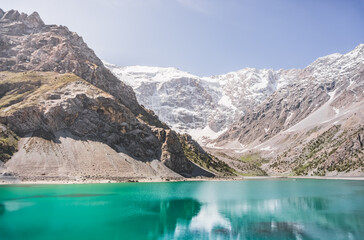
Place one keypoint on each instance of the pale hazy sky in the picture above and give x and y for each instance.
(207, 37)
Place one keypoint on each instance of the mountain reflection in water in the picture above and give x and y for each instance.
(258, 218)
(267, 209)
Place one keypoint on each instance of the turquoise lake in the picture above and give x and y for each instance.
(253, 209)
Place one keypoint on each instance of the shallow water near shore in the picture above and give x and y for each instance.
(254, 209)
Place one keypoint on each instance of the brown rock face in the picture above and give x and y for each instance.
(27, 44)
(172, 154)
(102, 109)
(280, 111)
(65, 101)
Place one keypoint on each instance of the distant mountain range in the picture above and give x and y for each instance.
(265, 111)
(200, 106)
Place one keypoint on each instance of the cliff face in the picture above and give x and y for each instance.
(71, 112)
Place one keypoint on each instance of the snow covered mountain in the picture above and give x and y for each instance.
(204, 107)
(304, 121)
(334, 82)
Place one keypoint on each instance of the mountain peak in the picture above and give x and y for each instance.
(11, 15)
(359, 48)
(31, 21)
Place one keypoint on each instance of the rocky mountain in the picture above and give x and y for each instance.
(312, 126)
(64, 115)
(335, 80)
(263, 111)
(204, 107)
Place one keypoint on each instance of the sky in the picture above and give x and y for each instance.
(207, 37)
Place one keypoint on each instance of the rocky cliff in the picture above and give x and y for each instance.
(71, 115)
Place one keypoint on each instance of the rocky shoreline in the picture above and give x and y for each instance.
(10, 180)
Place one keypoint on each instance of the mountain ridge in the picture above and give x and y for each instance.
(72, 116)
(254, 110)
(234, 92)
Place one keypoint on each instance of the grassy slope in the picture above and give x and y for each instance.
(8, 144)
(207, 161)
(23, 89)
(254, 161)
(336, 149)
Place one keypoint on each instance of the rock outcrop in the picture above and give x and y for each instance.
(8, 143)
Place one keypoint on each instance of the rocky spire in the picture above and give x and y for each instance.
(11, 15)
(33, 20)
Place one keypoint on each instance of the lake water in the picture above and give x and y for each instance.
(253, 209)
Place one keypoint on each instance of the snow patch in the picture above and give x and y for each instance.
(268, 148)
(204, 134)
(226, 101)
(319, 116)
(288, 118)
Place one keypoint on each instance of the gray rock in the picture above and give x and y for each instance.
(33, 20)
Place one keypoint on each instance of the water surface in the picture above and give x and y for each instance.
(254, 209)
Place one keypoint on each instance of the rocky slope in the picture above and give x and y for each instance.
(313, 126)
(327, 86)
(73, 118)
(264, 111)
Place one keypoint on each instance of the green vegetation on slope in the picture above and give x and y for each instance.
(197, 155)
(332, 151)
(8, 143)
(309, 158)
(254, 162)
(22, 89)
